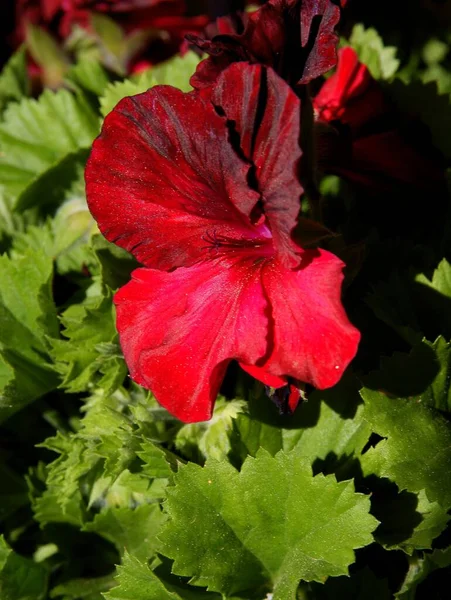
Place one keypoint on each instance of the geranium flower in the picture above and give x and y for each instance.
(364, 142)
(204, 190)
(295, 37)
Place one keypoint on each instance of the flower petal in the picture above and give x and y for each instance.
(179, 330)
(295, 37)
(266, 113)
(312, 338)
(163, 174)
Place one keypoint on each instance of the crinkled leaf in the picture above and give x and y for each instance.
(36, 135)
(83, 358)
(415, 452)
(210, 439)
(272, 523)
(27, 317)
(381, 60)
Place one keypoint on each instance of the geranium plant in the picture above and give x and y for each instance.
(225, 301)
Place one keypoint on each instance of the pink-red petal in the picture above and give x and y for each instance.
(179, 330)
(312, 340)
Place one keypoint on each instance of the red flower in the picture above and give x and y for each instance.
(204, 191)
(61, 15)
(295, 37)
(365, 143)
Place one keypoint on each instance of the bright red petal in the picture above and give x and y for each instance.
(179, 330)
(351, 95)
(266, 113)
(162, 177)
(312, 338)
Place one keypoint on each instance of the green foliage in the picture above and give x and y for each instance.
(36, 135)
(381, 60)
(14, 84)
(47, 53)
(415, 437)
(20, 578)
(27, 320)
(272, 524)
(176, 72)
(120, 89)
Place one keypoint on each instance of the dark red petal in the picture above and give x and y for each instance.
(295, 37)
(162, 176)
(179, 330)
(323, 54)
(266, 114)
(312, 338)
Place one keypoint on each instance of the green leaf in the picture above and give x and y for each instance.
(134, 531)
(83, 357)
(380, 60)
(112, 42)
(20, 578)
(136, 581)
(420, 568)
(177, 71)
(120, 89)
(414, 453)
(409, 521)
(272, 523)
(436, 294)
(210, 439)
(36, 135)
(85, 589)
(425, 373)
(14, 84)
(88, 75)
(48, 189)
(27, 317)
(47, 54)
(328, 430)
